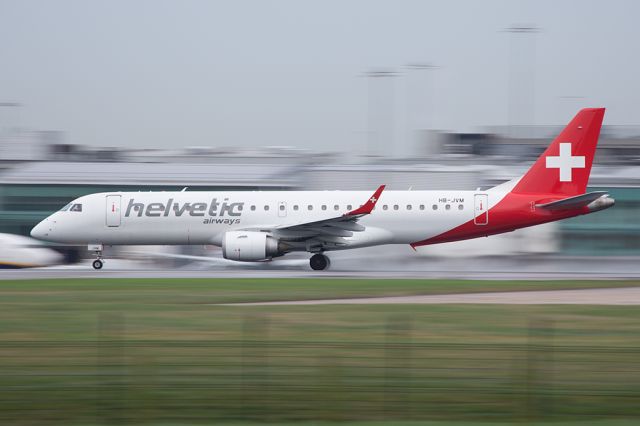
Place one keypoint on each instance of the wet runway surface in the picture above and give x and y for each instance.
(87, 272)
(344, 265)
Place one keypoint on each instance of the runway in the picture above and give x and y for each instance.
(371, 266)
(612, 296)
(88, 273)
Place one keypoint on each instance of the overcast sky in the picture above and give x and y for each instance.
(253, 73)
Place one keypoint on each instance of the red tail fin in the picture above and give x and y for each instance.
(565, 166)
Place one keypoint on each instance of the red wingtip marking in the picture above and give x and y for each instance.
(367, 207)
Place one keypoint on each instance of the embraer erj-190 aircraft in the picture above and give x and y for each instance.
(259, 226)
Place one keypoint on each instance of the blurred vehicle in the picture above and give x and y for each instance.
(17, 251)
(260, 226)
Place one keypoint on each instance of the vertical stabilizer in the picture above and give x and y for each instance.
(564, 167)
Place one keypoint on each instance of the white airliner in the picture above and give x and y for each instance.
(259, 226)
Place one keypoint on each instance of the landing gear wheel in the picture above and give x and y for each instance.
(97, 252)
(319, 262)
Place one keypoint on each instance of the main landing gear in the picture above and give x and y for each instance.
(319, 262)
(97, 251)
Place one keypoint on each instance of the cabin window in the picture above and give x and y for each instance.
(324, 207)
(447, 207)
(309, 207)
(253, 208)
(240, 207)
(336, 207)
(76, 208)
(435, 207)
(409, 207)
(460, 206)
(385, 207)
(421, 206)
(395, 207)
(348, 206)
(281, 207)
(295, 207)
(266, 208)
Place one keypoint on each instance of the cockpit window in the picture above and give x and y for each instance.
(76, 208)
(65, 208)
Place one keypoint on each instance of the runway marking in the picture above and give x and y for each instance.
(598, 296)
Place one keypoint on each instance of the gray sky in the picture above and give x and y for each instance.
(251, 73)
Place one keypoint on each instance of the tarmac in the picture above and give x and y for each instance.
(373, 265)
(88, 273)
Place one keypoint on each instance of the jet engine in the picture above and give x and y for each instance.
(250, 246)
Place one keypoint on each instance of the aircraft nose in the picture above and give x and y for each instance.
(41, 230)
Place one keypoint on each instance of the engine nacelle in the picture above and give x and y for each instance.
(249, 246)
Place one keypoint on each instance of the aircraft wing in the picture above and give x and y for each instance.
(327, 231)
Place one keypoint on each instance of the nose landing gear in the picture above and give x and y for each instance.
(319, 262)
(97, 251)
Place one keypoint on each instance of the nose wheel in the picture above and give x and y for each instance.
(319, 262)
(97, 251)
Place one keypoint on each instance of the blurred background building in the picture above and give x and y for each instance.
(40, 173)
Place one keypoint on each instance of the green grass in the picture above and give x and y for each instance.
(207, 291)
(162, 352)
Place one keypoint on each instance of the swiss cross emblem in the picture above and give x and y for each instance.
(373, 199)
(565, 162)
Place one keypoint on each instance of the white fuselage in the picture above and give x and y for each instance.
(400, 217)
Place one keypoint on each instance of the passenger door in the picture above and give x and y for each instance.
(481, 209)
(113, 211)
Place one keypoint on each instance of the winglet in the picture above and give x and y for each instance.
(367, 207)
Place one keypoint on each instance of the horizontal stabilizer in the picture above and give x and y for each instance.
(573, 202)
